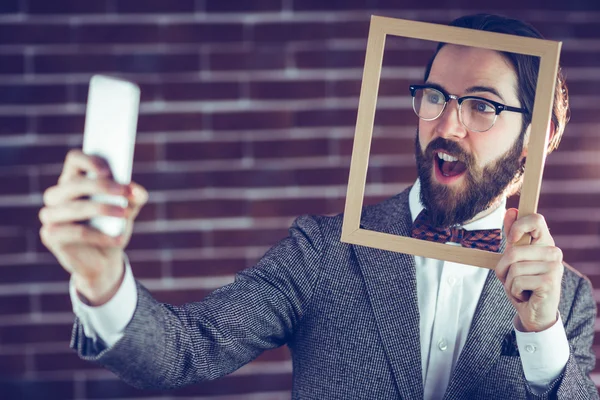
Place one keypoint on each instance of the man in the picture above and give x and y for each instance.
(363, 323)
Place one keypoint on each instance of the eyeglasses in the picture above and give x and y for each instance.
(475, 113)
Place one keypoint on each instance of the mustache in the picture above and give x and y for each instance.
(449, 146)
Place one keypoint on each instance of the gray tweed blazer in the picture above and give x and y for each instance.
(350, 317)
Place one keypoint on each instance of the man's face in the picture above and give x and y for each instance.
(454, 192)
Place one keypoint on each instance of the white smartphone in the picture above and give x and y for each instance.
(110, 129)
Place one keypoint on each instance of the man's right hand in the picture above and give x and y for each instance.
(94, 260)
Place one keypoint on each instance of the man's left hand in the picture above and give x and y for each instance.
(531, 274)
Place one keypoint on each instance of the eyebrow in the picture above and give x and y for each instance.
(472, 89)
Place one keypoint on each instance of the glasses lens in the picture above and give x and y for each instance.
(477, 115)
(428, 103)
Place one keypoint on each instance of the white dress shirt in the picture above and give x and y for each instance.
(447, 293)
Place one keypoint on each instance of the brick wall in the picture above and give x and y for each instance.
(246, 121)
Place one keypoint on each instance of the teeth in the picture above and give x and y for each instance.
(447, 157)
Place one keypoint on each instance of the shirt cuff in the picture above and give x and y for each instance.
(544, 354)
(109, 320)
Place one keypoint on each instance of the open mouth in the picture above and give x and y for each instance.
(448, 166)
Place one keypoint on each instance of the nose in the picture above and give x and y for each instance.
(448, 124)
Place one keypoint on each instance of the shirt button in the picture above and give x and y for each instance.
(530, 348)
(451, 281)
(443, 345)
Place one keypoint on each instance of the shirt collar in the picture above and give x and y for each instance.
(494, 220)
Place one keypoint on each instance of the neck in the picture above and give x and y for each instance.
(487, 211)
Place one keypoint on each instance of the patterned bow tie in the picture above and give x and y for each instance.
(488, 240)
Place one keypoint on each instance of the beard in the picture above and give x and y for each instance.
(482, 187)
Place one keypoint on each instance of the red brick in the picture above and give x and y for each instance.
(581, 116)
(297, 89)
(203, 151)
(12, 365)
(579, 59)
(155, 6)
(247, 237)
(326, 117)
(209, 267)
(394, 174)
(38, 33)
(146, 268)
(171, 180)
(291, 207)
(15, 183)
(202, 32)
(291, 148)
(328, 58)
(261, 58)
(310, 5)
(587, 143)
(350, 29)
(46, 333)
(392, 146)
(20, 216)
(200, 90)
(252, 120)
(22, 155)
(396, 117)
(321, 176)
(574, 227)
(566, 200)
(254, 6)
(117, 33)
(116, 63)
(170, 122)
(51, 303)
(588, 171)
(66, 7)
(61, 124)
(13, 243)
(12, 64)
(584, 87)
(206, 209)
(63, 361)
(581, 255)
(148, 92)
(167, 240)
(387, 87)
(10, 125)
(33, 273)
(33, 94)
(15, 304)
(30, 389)
(290, 31)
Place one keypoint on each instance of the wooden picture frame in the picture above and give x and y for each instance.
(380, 27)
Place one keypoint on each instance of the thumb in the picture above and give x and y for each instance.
(509, 219)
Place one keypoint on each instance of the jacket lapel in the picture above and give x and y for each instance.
(492, 323)
(390, 279)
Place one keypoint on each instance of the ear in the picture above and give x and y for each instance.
(550, 133)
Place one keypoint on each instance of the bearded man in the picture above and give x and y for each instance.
(363, 323)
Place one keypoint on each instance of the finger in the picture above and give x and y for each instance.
(74, 189)
(517, 254)
(534, 225)
(79, 210)
(523, 287)
(137, 198)
(527, 268)
(78, 163)
(59, 236)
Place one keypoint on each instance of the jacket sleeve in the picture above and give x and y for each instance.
(166, 347)
(575, 382)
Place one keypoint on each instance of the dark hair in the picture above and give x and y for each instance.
(526, 67)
